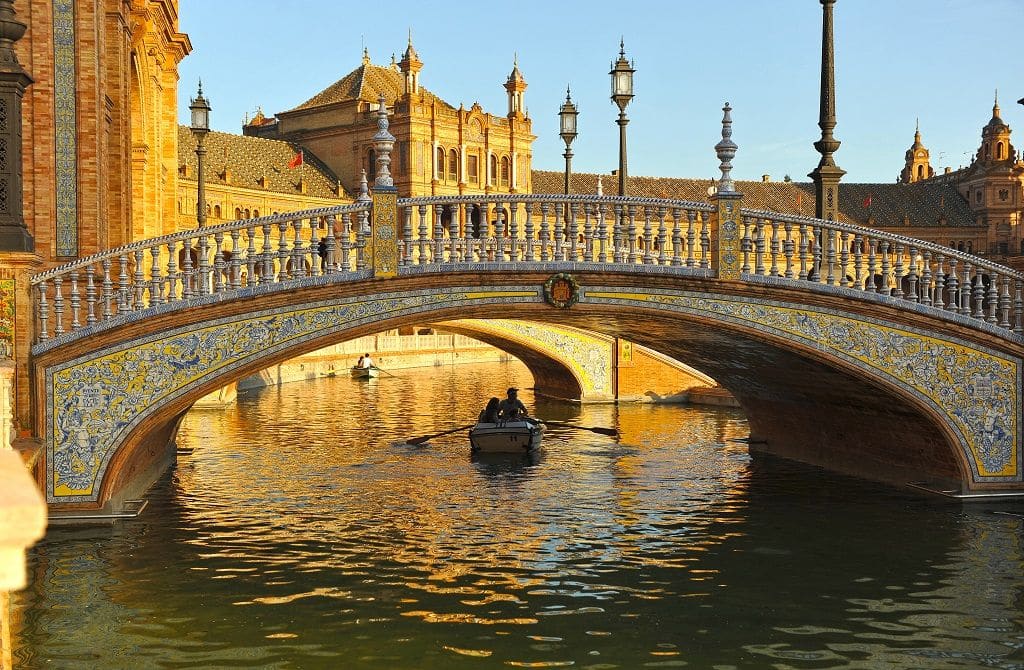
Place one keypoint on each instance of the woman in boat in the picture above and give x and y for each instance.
(490, 413)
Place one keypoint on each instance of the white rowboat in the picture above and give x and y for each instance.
(510, 437)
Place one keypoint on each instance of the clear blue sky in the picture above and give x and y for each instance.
(896, 60)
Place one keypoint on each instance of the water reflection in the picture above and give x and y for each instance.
(303, 532)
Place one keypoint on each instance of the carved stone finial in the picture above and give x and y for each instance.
(383, 142)
(364, 191)
(726, 151)
(600, 186)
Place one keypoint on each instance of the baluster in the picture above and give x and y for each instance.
(858, 262)
(746, 244)
(816, 241)
(705, 241)
(992, 297)
(677, 237)
(872, 278)
(90, 297)
(76, 300)
(691, 238)
(156, 282)
(108, 290)
(953, 286)
(343, 235)
(423, 232)
(977, 294)
(362, 238)
(530, 249)
(604, 253)
(44, 311)
(285, 265)
(453, 232)
(236, 260)
(805, 252)
(500, 234)
(1004, 302)
(545, 207)
(298, 251)
(139, 281)
(58, 305)
(883, 250)
(926, 278)
(1018, 307)
(938, 299)
(634, 256)
(317, 254)
(558, 231)
(267, 275)
(453, 228)
(912, 276)
(759, 247)
(844, 259)
(408, 245)
(830, 255)
(618, 226)
(203, 276)
(646, 236)
(573, 248)
(788, 247)
(589, 232)
(122, 285)
(250, 256)
(438, 234)
(662, 237)
(898, 272)
(967, 306)
(775, 249)
(172, 271)
(218, 262)
(513, 231)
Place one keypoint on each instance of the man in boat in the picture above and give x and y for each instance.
(366, 362)
(512, 408)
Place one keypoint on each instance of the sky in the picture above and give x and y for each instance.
(896, 62)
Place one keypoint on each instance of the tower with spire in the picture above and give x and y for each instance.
(410, 67)
(516, 87)
(917, 166)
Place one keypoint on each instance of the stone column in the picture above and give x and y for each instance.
(384, 231)
(14, 235)
(725, 220)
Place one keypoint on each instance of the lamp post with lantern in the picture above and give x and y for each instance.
(200, 109)
(622, 92)
(567, 129)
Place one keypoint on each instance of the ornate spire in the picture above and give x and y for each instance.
(366, 56)
(364, 190)
(383, 142)
(726, 150)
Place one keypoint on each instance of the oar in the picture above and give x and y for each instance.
(386, 372)
(421, 440)
(593, 429)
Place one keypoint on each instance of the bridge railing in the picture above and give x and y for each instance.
(452, 232)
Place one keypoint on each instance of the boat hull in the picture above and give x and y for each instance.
(509, 437)
(365, 373)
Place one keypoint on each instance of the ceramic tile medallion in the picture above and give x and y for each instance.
(95, 401)
(978, 389)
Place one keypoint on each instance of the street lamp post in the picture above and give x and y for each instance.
(622, 92)
(567, 129)
(200, 109)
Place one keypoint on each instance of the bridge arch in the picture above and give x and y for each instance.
(790, 358)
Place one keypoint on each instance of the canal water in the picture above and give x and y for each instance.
(302, 532)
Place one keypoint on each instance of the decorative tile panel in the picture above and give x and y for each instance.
(66, 127)
(7, 314)
(385, 232)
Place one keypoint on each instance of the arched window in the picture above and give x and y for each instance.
(247, 213)
(216, 211)
(453, 165)
(504, 170)
(439, 168)
(920, 172)
(238, 212)
(999, 151)
(494, 170)
(255, 213)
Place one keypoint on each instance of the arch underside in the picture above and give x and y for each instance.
(822, 385)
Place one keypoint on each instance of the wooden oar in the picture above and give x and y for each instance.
(386, 372)
(424, 438)
(593, 429)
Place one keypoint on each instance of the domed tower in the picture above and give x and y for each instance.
(410, 66)
(995, 140)
(516, 86)
(917, 167)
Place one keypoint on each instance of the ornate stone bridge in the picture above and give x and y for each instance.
(862, 351)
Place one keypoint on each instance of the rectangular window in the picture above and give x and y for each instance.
(473, 169)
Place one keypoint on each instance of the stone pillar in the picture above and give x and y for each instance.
(725, 220)
(14, 235)
(384, 227)
(17, 329)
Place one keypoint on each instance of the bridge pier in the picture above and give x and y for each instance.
(17, 330)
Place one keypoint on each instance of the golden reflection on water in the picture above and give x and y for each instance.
(303, 531)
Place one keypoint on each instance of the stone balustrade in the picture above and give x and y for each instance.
(449, 233)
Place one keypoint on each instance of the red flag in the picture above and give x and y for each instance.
(297, 161)
(867, 201)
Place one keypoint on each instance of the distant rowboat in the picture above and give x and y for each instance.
(506, 437)
(365, 373)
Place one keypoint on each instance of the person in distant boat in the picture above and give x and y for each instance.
(366, 361)
(490, 413)
(512, 408)
(359, 363)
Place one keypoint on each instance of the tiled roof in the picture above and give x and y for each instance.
(921, 204)
(249, 158)
(366, 83)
